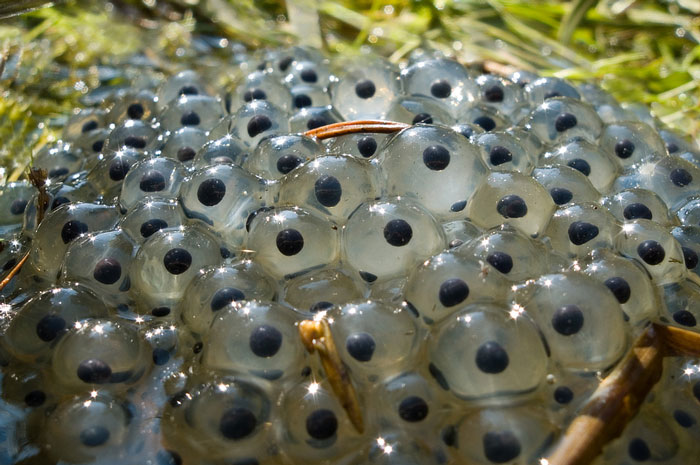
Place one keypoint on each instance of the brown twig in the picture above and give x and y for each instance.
(316, 336)
(678, 341)
(352, 127)
(619, 396)
(38, 178)
(499, 69)
(6, 280)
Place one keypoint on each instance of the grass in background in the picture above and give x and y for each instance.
(51, 58)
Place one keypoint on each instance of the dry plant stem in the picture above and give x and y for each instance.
(352, 127)
(38, 179)
(13, 271)
(679, 341)
(499, 69)
(614, 403)
(316, 336)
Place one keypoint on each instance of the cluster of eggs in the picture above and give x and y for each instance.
(480, 270)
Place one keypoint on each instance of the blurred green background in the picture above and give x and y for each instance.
(53, 58)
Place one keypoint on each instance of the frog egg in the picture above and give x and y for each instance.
(511, 198)
(228, 149)
(468, 130)
(447, 282)
(366, 89)
(648, 437)
(183, 144)
(133, 134)
(46, 317)
(522, 78)
(444, 80)
(375, 339)
(586, 158)
(84, 122)
(578, 228)
(139, 105)
(565, 184)
(315, 428)
(565, 393)
(150, 215)
(689, 238)
(511, 435)
(572, 310)
(459, 232)
(308, 118)
(322, 290)
(415, 109)
(260, 85)
(108, 174)
(290, 241)
(253, 122)
(447, 164)
(512, 254)
(59, 160)
(314, 73)
(533, 144)
(682, 301)
(156, 177)
(655, 248)
(486, 352)
(101, 262)
(689, 213)
(279, 62)
(340, 185)
(678, 391)
(675, 180)
(595, 95)
(60, 227)
(305, 95)
(382, 239)
(167, 262)
(363, 146)
(223, 196)
(633, 204)
(501, 151)
(278, 155)
(608, 108)
(485, 117)
(627, 280)
(163, 339)
(675, 144)
(88, 428)
(184, 83)
(631, 142)
(255, 338)
(216, 287)
(409, 403)
(541, 89)
(503, 95)
(559, 119)
(26, 388)
(222, 419)
(91, 144)
(14, 197)
(99, 352)
(197, 111)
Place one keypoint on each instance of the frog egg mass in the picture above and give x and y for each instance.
(346, 263)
